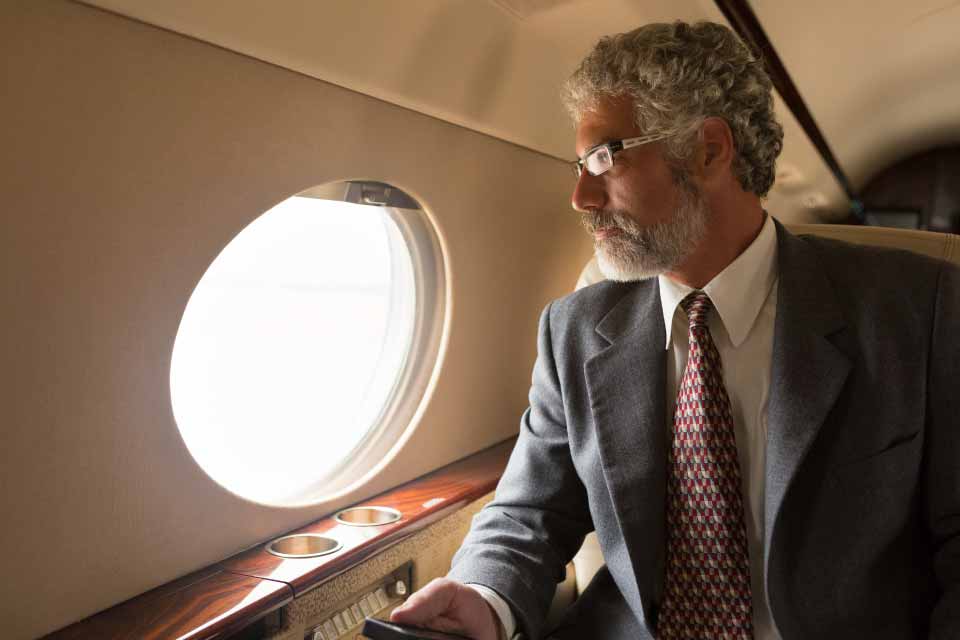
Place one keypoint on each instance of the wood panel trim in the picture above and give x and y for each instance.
(212, 604)
(228, 596)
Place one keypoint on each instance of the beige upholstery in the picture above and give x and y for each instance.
(938, 245)
(945, 246)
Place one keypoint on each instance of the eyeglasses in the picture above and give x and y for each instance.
(599, 159)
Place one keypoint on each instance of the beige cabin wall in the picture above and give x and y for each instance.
(131, 156)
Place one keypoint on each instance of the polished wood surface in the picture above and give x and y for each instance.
(224, 598)
(210, 604)
(420, 503)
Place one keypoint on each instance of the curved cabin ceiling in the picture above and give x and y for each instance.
(877, 81)
(879, 77)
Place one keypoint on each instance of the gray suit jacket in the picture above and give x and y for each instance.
(863, 454)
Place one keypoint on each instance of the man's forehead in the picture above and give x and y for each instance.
(611, 118)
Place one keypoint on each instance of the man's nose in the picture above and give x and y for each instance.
(589, 193)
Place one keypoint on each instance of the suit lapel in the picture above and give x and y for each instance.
(808, 371)
(626, 386)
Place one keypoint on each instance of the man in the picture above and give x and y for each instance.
(762, 429)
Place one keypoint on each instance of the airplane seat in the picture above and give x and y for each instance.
(938, 245)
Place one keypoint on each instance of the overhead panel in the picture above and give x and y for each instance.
(742, 18)
(494, 66)
(490, 66)
(879, 76)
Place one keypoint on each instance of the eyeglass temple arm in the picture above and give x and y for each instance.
(635, 142)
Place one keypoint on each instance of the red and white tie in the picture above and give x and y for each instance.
(707, 585)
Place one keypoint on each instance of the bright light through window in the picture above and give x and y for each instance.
(291, 347)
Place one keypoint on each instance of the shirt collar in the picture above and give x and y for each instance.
(738, 292)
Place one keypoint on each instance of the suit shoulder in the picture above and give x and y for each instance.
(889, 277)
(596, 299)
(871, 254)
(581, 311)
(893, 265)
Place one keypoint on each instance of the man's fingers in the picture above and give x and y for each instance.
(447, 605)
(433, 601)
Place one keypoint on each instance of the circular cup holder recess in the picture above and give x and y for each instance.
(303, 545)
(367, 516)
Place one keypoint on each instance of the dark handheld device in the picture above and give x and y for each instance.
(382, 630)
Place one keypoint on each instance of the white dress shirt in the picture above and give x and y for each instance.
(744, 296)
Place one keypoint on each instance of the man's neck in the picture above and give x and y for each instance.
(729, 233)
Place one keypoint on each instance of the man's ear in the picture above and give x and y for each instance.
(716, 150)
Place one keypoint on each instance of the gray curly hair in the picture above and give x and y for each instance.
(679, 74)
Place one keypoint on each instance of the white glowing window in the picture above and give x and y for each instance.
(303, 352)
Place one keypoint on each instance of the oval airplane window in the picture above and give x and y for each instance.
(307, 347)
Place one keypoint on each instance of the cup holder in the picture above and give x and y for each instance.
(367, 516)
(303, 545)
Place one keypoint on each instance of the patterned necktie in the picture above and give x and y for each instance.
(707, 587)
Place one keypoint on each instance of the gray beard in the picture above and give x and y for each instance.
(639, 253)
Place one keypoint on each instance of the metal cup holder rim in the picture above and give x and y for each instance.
(393, 515)
(337, 545)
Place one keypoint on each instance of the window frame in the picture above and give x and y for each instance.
(415, 246)
(412, 387)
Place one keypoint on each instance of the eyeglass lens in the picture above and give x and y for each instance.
(595, 162)
(598, 160)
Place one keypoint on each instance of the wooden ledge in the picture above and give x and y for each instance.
(211, 603)
(420, 503)
(226, 597)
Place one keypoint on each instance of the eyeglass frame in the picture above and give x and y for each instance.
(612, 147)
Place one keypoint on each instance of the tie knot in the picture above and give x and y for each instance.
(697, 306)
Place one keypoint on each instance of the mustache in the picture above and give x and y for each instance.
(594, 221)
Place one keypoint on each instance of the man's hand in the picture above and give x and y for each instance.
(447, 605)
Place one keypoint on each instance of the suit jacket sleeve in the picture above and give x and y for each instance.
(520, 543)
(942, 470)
